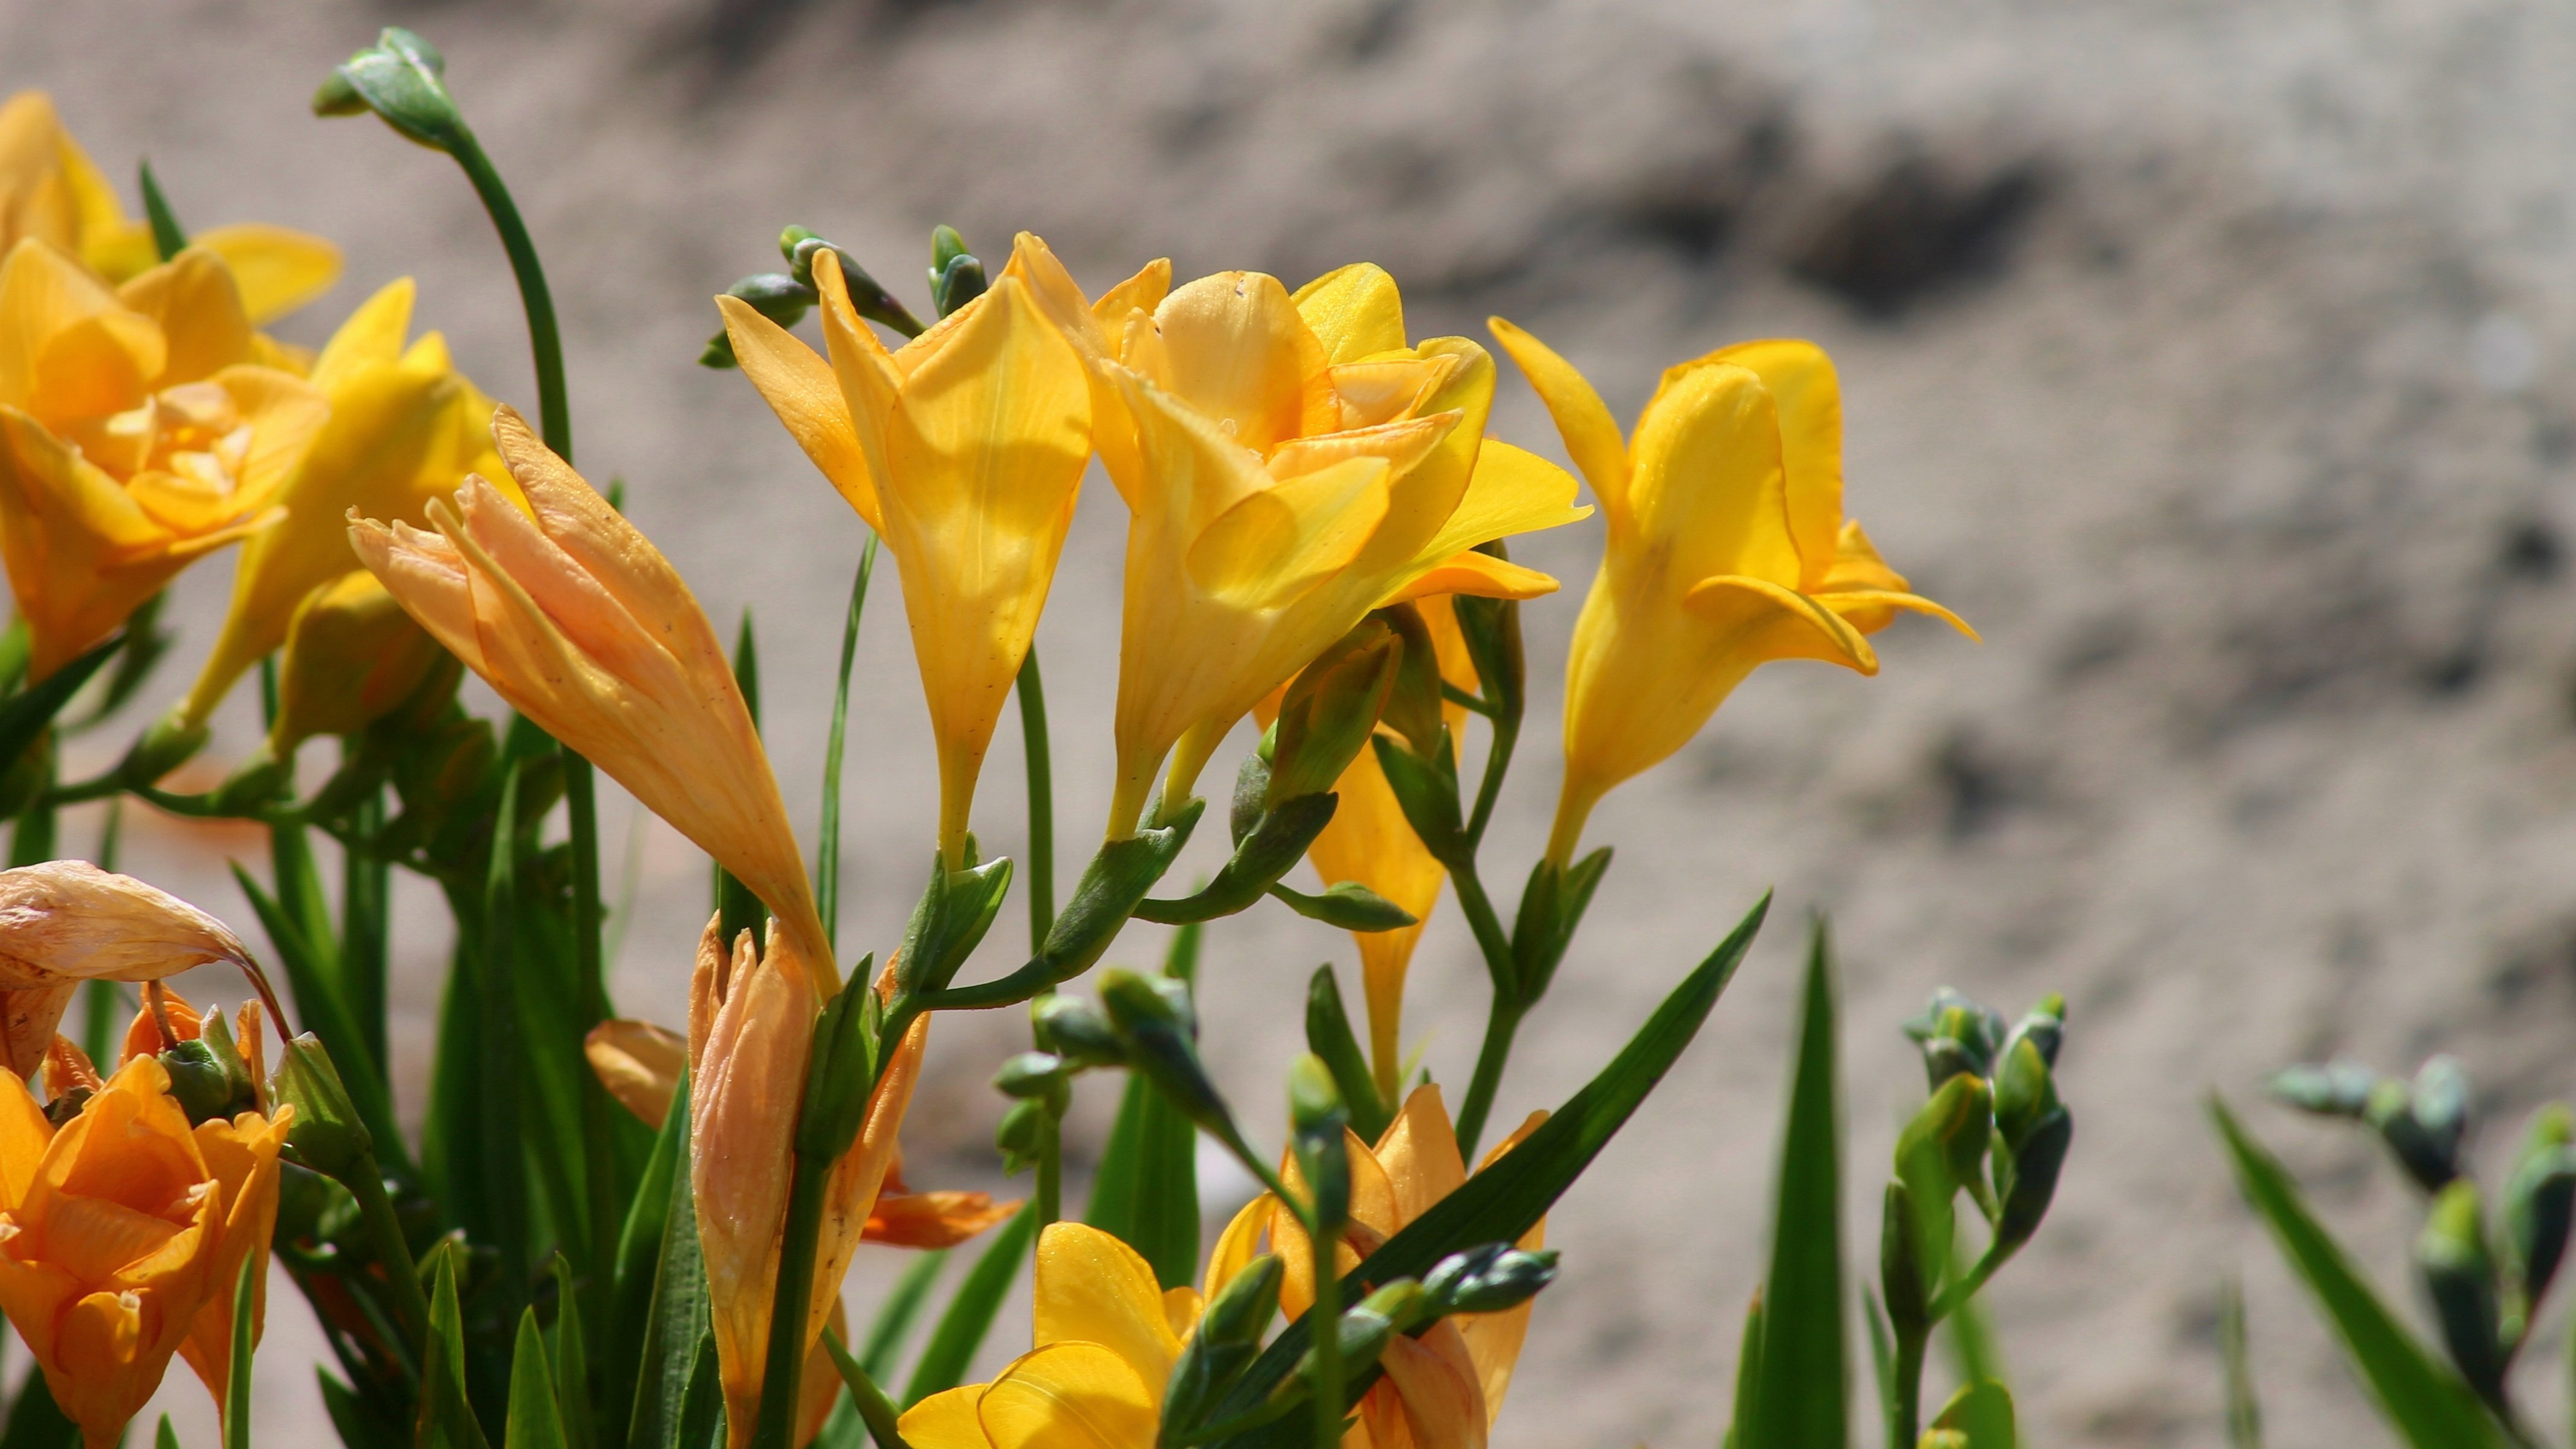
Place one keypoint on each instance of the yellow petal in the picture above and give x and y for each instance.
(1512, 491)
(801, 389)
(1419, 1151)
(1234, 348)
(199, 308)
(1092, 1288)
(639, 1063)
(1869, 610)
(1240, 1243)
(1142, 292)
(24, 1136)
(945, 1420)
(1069, 1396)
(42, 291)
(1808, 395)
(1709, 485)
(279, 270)
(1591, 435)
(1354, 311)
(1478, 575)
(373, 333)
(1769, 622)
(99, 365)
(1269, 549)
(1444, 1405)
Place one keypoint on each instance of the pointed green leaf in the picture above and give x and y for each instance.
(952, 1346)
(2244, 1411)
(875, 1410)
(35, 1420)
(572, 1362)
(237, 1386)
(2427, 1403)
(446, 1415)
(1982, 1411)
(24, 715)
(1742, 1429)
(827, 850)
(676, 1319)
(534, 1421)
(165, 1437)
(639, 1258)
(1804, 1377)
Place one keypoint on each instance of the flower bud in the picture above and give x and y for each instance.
(1320, 1123)
(1413, 705)
(1486, 1279)
(68, 920)
(352, 657)
(1021, 1137)
(2540, 1202)
(2339, 1088)
(166, 744)
(1329, 711)
(1159, 1034)
(2024, 1090)
(400, 78)
(956, 276)
(1957, 1034)
(839, 1075)
(2459, 1276)
(327, 1134)
(1040, 1077)
(1075, 1030)
(1228, 1338)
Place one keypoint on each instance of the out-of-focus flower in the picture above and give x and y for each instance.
(1728, 549)
(117, 1234)
(1293, 464)
(751, 1031)
(67, 921)
(405, 427)
(50, 190)
(352, 657)
(136, 435)
(964, 448)
(582, 625)
(1445, 1387)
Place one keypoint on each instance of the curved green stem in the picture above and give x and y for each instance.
(1503, 1018)
(545, 339)
(1041, 773)
(1327, 1337)
(827, 854)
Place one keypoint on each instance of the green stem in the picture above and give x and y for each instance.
(393, 1251)
(776, 1427)
(1051, 1175)
(1501, 1022)
(827, 854)
(1041, 772)
(1326, 1315)
(1905, 1411)
(545, 340)
(1498, 762)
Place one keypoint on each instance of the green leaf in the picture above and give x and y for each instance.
(634, 1299)
(951, 1350)
(35, 1421)
(900, 1311)
(1329, 1037)
(1741, 1427)
(1146, 1191)
(676, 1319)
(318, 1002)
(168, 240)
(23, 716)
(246, 1287)
(500, 1142)
(827, 850)
(1510, 1195)
(572, 1362)
(2425, 1402)
(701, 1424)
(740, 909)
(165, 1437)
(1804, 1399)
(2244, 1412)
(446, 1415)
(535, 1422)
(874, 1409)
(1983, 1412)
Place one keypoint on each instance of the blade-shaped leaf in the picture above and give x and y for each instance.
(237, 1385)
(676, 1319)
(827, 850)
(23, 716)
(1146, 1191)
(900, 1311)
(952, 1346)
(1804, 1399)
(535, 1423)
(446, 1415)
(2244, 1411)
(1984, 1412)
(1742, 1414)
(2426, 1402)
(639, 1258)
(572, 1362)
(35, 1420)
(1510, 1195)
(874, 1409)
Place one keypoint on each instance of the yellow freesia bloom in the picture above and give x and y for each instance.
(50, 190)
(117, 1232)
(1293, 464)
(136, 435)
(751, 1031)
(405, 428)
(1728, 549)
(964, 450)
(1445, 1388)
(1369, 841)
(582, 625)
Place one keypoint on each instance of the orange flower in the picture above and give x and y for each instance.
(121, 1231)
(66, 921)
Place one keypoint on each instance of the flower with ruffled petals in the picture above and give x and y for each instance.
(1728, 549)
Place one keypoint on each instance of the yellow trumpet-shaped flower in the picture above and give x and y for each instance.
(1294, 463)
(118, 1231)
(579, 622)
(751, 1031)
(964, 449)
(66, 921)
(1728, 549)
(1445, 1388)
(50, 190)
(136, 435)
(405, 427)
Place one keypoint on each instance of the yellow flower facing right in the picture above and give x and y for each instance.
(1727, 549)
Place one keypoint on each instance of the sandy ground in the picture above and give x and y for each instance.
(2213, 359)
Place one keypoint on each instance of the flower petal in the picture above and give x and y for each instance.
(1267, 551)
(1709, 487)
(1354, 311)
(1234, 347)
(800, 388)
(1092, 1288)
(1769, 622)
(1070, 1396)
(640, 1065)
(278, 270)
(1591, 435)
(1808, 395)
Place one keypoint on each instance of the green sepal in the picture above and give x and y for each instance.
(1983, 1414)
(1348, 905)
(1329, 1037)
(1427, 791)
(950, 919)
(1552, 906)
(401, 78)
(1259, 860)
(1118, 876)
(842, 1075)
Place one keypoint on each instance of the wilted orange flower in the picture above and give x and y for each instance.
(67, 921)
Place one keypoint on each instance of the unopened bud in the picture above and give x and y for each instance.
(2339, 1088)
(2540, 1201)
(326, 1135)
(1329, 711)
(2024, 1090)
(1487, 1279)
(168, 743)
(1022, 1136)
(2460, 1278)
(1413, 705)
(400, 79)
(352, 657)
(1076, 1030)
(1041, 1077)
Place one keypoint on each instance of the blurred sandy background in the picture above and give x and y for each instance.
(2212, 358)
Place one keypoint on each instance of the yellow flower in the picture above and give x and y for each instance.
(405, 427)
(751, 1030)
(118, 1232)
(964, 449)
(1446, 1387)
(67, 921)
(1369, 841)
(136, 435)
(50, 190)
(352, 657)
(1728, 549)
(582, 625)
(1293, 465)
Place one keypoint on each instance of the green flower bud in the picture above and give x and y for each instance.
(1330, 709)
(1041, 1077)
(1486, 1279)
(2024, 1090)
(1159, 1032)
(401, 78)
(2026, 1178)
(326, 1134)
(2460, 1277)
(1076, 1031)
(842, 1072)
(1413, 705)
(2540, 1203)
(1227, 1340)
(1905, 1282)
(1970, 1032)
(1319, 1123)
(1022, 1136)
(2340, 1088)
(167, 744)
